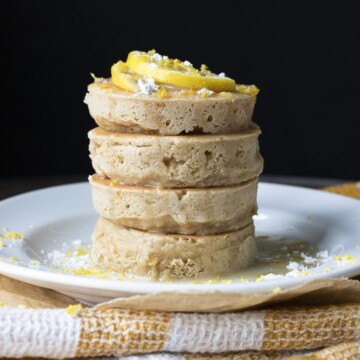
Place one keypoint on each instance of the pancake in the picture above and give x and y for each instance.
(118, 110)
(176, 161)
(157, 255)
(182, 211)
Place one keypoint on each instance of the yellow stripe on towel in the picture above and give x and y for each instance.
(310, 327)
(111, 332)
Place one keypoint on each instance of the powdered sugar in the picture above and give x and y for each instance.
(308, 259)
(156, 57)
(204, 92)
(147, 85)
(293, 265)
(71, 255)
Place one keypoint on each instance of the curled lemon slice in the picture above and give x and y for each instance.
(175, 72)
(122, 77)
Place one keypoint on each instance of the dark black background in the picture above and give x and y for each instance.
(303, 55)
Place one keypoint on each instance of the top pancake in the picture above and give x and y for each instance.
(118, 110)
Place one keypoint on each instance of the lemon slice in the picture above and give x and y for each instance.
(175, 72)
(122, 77)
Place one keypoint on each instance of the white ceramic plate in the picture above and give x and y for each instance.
(52, 216)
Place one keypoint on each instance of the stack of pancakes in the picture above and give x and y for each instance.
(175, 183)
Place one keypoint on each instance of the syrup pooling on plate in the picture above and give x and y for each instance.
(275, 254)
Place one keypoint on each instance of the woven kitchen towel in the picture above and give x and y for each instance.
(78, 332)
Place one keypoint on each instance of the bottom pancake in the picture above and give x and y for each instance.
(162, 256)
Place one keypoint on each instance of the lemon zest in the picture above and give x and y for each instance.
(114, 182)
(163, 93)
(215, 280)
(348, 257)
(250, 90)
(73, 310)
(13, 235)
(80, 251)
(35, 262)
